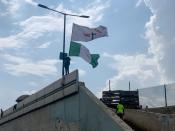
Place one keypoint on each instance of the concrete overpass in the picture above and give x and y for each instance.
(65, 105)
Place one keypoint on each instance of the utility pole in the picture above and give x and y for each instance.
(129, 86)
(165, 95)
(109, 85)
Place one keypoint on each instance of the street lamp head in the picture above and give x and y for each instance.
(84, 16)
(43, 6)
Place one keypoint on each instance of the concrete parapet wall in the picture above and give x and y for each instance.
(164, 110)
(65, 105)
(150, 121)
(51, 93)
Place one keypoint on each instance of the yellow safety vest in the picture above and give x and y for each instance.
(120, 108)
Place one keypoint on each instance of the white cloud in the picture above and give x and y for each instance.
(82, 72)
(45, 45)
(3, 14)
(139, 2)
(99, 94)
(10, 42)
(33, 83)
(31, 2)
(160, 34)
(32, 28)
(139, 69)
(36, 26)
(22, 66)
(4, 1)
(95, 10)
(12, 6)
(153, 39)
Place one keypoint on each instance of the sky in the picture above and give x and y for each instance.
(139, 47)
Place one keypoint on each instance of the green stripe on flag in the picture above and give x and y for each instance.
(94, 60)
(74, 49)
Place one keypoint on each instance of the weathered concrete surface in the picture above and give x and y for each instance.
(150, 121)
(65, 105)
(164, 110)
(103, 118)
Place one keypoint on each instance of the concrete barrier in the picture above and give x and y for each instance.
(65, 105)
(150, 121)
(45, 96)
(163, 110)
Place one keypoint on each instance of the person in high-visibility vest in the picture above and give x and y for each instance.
(120, 110)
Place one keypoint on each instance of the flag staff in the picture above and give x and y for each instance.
(64, 30)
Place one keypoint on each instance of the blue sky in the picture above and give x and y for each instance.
(139, 48)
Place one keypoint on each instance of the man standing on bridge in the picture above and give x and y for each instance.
(120, 110)
(67, 64)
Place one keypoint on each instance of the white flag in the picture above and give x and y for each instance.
(82, 33)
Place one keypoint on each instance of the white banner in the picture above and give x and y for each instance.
(85, 34)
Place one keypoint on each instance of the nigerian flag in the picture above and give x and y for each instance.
(77, 49)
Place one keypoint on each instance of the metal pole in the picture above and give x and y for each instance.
(165, 95)
(64, 38)
(129, 86)
(109, 85)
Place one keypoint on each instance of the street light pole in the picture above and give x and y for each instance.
(64, 39)
(64, 30)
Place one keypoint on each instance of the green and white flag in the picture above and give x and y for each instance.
(77, 49)
(85, 34)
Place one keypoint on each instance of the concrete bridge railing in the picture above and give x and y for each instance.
(150, 121)
(65, 105)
